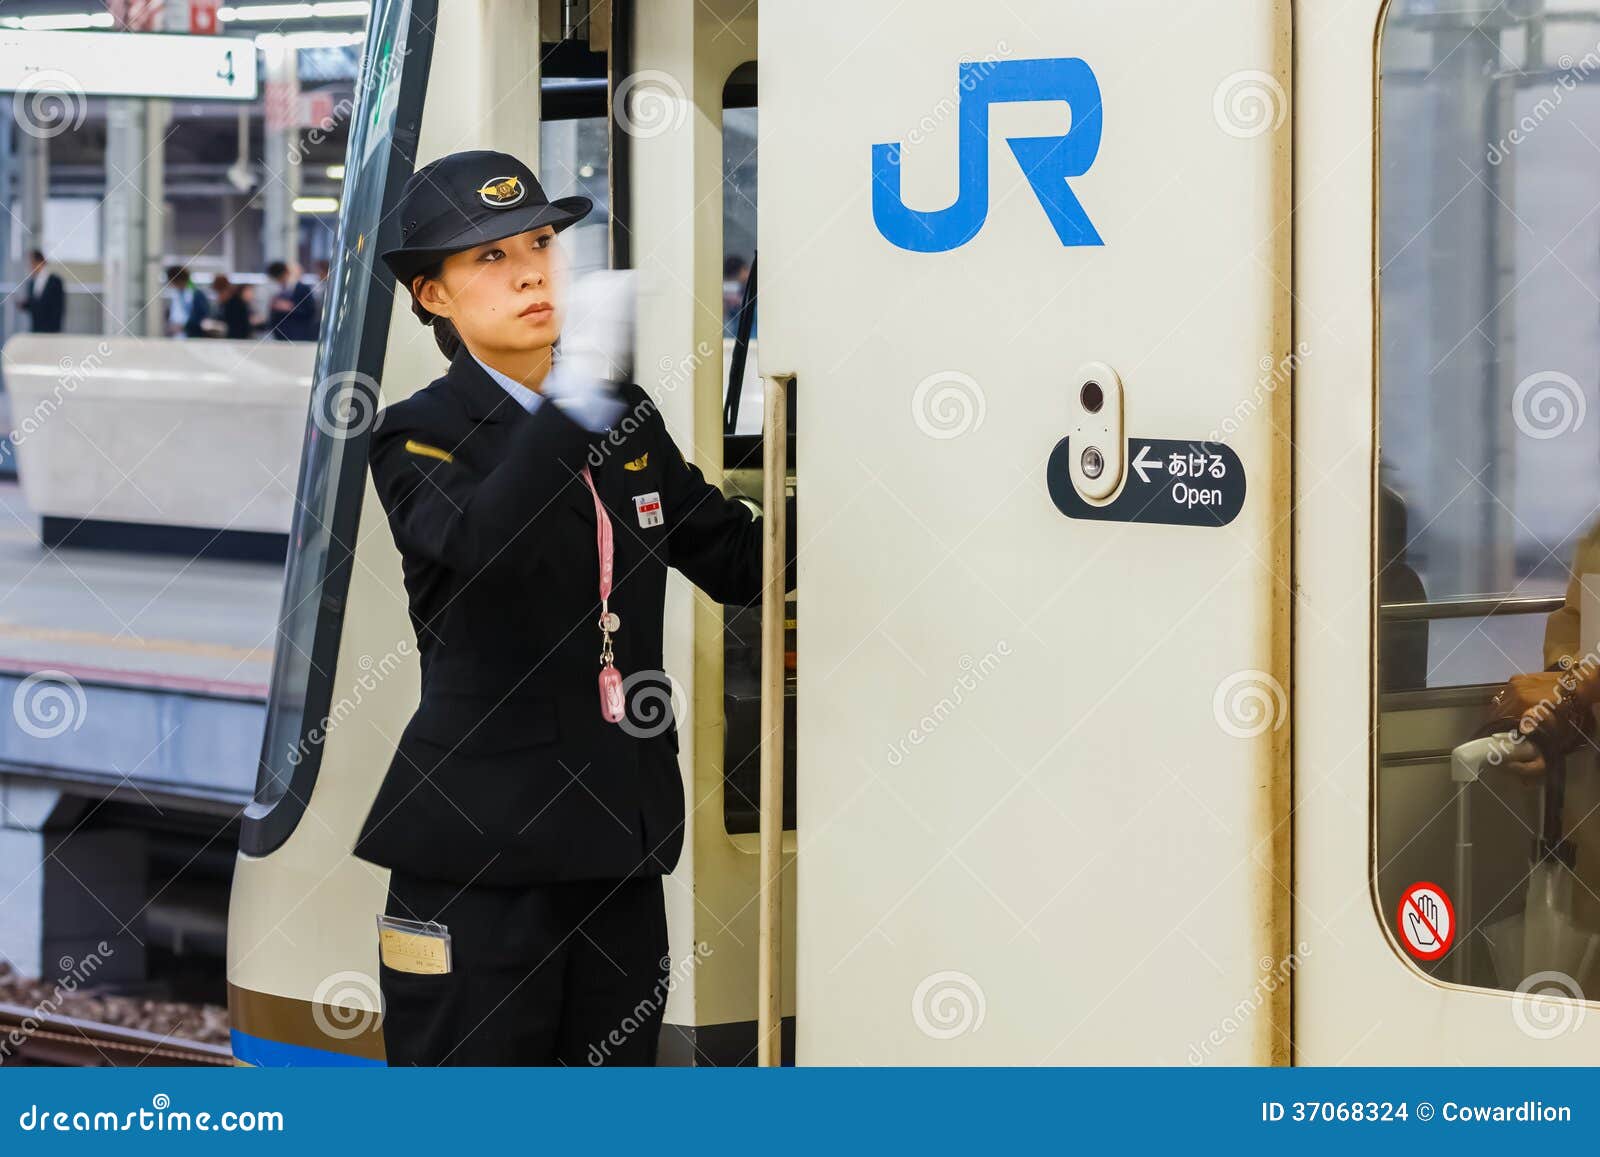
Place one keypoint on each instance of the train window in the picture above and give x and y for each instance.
(574, 157)
(333, 462)
(1488, 517)
(739, 248)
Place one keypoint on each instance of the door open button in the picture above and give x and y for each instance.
(1097, 468)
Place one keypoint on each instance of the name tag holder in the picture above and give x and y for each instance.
(417, 946)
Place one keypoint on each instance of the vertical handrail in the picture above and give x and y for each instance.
(741, 351)
(774, 514)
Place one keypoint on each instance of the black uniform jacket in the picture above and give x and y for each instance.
(507, 773)
(47, 309)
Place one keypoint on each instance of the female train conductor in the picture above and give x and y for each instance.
(531, 809)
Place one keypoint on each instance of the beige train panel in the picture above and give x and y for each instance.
(1358, 1000)
(1025, 836)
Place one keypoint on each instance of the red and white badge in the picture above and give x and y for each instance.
(1427, 921)
(648, 507)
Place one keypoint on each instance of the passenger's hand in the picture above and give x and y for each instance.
(1530, 768)
(1555, 706)
(598, 330)
(1523, 693)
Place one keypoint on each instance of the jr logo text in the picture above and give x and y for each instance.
(1047, 162)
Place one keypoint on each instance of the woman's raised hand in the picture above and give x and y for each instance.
(598, 331)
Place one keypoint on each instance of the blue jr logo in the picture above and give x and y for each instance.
(1047, 162)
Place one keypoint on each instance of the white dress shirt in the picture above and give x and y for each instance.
(178, 311)
(585, 400)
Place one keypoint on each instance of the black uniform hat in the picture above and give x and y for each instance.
(468, 198)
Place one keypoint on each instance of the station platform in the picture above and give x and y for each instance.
(132, 672)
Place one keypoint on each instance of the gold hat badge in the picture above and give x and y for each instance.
(502, 192)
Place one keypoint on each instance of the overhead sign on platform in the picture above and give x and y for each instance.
(68, 66)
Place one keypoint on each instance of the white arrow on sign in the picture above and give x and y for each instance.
(1141, 465)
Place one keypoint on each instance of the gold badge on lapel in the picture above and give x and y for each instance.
(638, 463)
(414, 945)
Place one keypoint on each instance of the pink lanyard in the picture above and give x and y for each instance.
(603, 541)
(611, 693)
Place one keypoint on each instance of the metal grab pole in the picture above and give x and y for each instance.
(774, 513)
(1463, 931)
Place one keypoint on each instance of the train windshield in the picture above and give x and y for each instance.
(343, 401)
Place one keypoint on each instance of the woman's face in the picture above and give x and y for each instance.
(503, 296)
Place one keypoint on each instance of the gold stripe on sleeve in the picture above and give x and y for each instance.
(427, 451)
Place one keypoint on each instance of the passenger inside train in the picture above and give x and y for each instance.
(1554, 710)
(1487, 780)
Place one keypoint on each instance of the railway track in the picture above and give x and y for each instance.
(65, 1041)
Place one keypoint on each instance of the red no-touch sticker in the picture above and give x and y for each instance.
(1427, 921)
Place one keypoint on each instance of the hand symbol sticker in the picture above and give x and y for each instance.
(1419, 933)
(1427, 921)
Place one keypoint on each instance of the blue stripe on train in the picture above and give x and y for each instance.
(264, 1053)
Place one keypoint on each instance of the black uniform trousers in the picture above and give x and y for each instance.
(568, 973)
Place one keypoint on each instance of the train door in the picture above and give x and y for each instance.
(1028, 268)
(1447, 488)
(688, 103)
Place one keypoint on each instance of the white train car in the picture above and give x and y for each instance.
(1172, 498)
